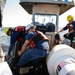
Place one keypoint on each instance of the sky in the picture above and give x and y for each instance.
(14, 15)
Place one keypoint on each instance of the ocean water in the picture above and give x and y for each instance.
(5, 42)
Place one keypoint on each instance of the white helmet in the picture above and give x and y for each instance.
(29, 26)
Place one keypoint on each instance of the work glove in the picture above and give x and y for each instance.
(7, 57)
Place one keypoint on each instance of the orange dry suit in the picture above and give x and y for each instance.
(37, 38)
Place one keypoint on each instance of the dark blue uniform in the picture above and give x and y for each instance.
(40, 51)
(13, 38)
(71, 35)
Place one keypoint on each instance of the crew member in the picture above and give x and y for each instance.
(39, 46)
(14, 36)
(71, 28)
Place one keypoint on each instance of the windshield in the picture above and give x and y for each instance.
(43, 19)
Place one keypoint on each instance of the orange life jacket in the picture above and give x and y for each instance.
(37, 38)
(21, 30)
(70, 27)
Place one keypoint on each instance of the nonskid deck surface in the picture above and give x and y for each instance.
(37, 72)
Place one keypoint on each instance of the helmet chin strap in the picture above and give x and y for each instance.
(71, 21)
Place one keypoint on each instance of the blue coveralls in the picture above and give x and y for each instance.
(13, 38)
(34, 53)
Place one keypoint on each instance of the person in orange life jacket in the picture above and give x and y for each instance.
(71, 28)
(39, 46)
(14, 36)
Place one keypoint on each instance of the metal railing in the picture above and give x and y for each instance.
(66, 0)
